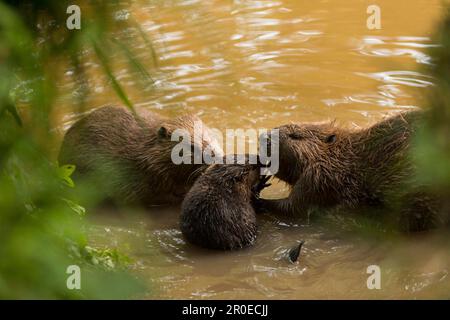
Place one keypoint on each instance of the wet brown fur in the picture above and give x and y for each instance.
(329, 166)
(129, 156)
(217, 213)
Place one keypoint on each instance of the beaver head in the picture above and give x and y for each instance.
(201, 136)
(318, 160)
(302, 146)
(217, 212)
(240, 178)
(180, 143)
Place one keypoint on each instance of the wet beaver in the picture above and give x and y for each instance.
(328, 167)
(129, 156)
(217, 213)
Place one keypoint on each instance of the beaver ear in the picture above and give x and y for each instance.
(331, 138)
(163, 133)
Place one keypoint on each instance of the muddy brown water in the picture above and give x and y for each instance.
(259, 64)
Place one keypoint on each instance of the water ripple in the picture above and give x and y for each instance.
(408, 78)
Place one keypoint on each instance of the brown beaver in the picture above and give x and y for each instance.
(217, 213)
(129, 155)
(329, 166)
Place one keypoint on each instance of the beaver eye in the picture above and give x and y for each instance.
(163, 133)
(295, 136)
(331, 139)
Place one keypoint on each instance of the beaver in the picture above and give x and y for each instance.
(329, 167)
(129, 155)
(217, 213)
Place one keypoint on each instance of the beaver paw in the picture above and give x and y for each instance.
(262, 183)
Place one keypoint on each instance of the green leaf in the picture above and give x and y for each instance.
(64, 172)
(81, 211)
(11, 108)
(117, 88)
(134, 62)
(148, 42)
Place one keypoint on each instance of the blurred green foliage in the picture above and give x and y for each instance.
(433, 142)
(42, 226)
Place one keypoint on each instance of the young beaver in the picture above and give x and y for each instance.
(129, 155)
(217, 213)
(327, 166)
